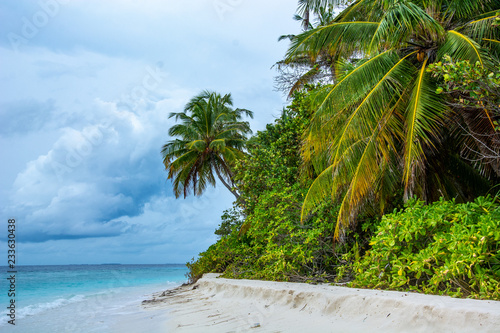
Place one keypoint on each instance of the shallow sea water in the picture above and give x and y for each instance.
(83, 298)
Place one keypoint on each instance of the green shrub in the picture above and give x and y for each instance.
(229, 250)
(443, 248)
(275, 246)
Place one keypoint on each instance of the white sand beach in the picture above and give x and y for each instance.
(224, 305)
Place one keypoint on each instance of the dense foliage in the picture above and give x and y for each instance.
(380, 125)
(442, 248)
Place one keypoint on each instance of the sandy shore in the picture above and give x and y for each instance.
(223, 305)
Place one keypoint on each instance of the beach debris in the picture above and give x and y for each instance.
(255, 325)
(215, 315)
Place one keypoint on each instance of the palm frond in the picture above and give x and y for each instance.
(306, 7)
(354, 12)
(319, 190)
(401, 22)
(343, 38)
(494, 47)
(379, 98)
(461, 47)
(423, 120)
(365, 169)
(356, 84)
(303, 80)
(482, 28)
(218, 145)
(464, 9)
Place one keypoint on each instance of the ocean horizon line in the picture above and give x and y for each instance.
(103, 264)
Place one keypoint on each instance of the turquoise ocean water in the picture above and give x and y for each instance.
(81, 298)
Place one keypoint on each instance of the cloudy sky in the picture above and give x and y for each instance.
(86, 89)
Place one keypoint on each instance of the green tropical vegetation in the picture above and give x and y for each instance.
(380, 125)
(265, 239)
(383, 171)
(441, 248)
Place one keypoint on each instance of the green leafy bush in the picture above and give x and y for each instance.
(229, 250)
(275, 246)
(469, 84)
(443, 248)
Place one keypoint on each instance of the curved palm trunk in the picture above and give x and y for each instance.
(226, 184)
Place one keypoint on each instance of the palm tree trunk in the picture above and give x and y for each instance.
(226, 184)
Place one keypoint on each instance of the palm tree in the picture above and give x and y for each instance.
(322, 8)
(296, 74)
(211, 138)
(381, 125)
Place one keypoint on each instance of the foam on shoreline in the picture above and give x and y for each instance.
(225, 305)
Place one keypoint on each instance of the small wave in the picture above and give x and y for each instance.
(114, 300)
(35, 309)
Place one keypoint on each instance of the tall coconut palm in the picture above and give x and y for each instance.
(211, 137)
(381, 125)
